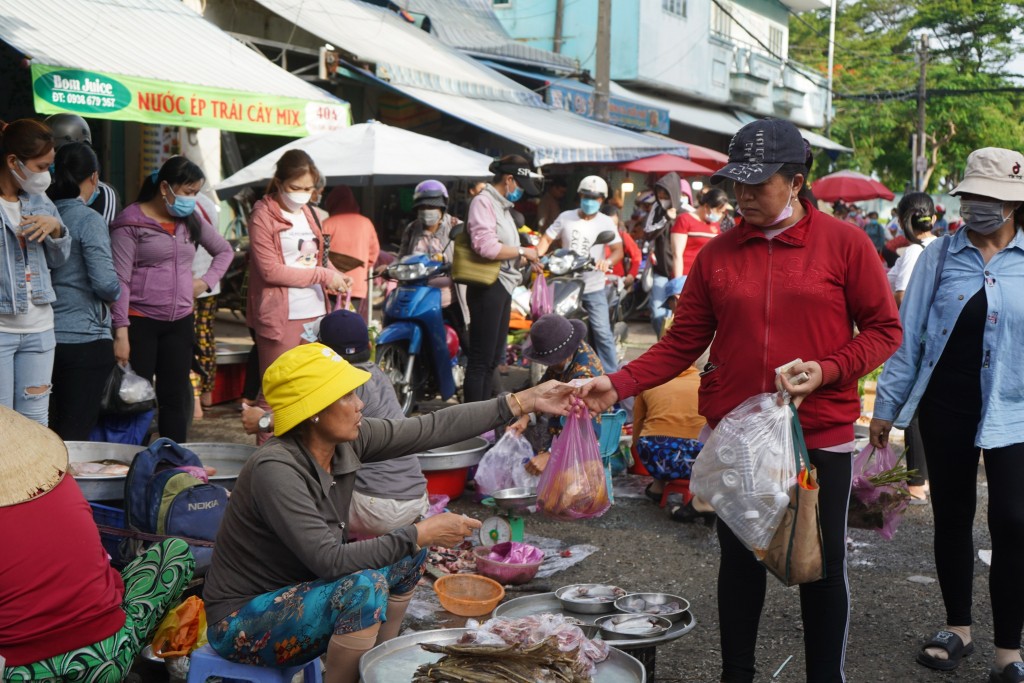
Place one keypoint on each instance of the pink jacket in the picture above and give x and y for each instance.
(269, 276)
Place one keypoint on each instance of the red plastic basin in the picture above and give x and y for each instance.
(449, 483)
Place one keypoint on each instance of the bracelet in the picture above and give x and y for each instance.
(522, 411)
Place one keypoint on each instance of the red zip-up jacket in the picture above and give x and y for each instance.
(767, 302)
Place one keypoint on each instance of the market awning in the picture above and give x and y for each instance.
(705, 118)
(157, 61)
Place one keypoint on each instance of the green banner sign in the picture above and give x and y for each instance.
(126, 98)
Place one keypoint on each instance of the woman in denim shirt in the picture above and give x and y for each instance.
(960, 368)
(32, 241)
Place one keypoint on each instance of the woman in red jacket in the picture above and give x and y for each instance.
(787, 282)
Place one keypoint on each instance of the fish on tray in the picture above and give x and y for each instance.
(593, 593)
(100, 468)
(638, 604)
(634, 625)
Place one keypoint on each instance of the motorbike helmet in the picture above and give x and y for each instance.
(451, 339)
(430, 193)
(593, 186)
(69, 128)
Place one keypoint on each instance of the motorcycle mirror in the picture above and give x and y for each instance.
(456, 231)
(604, 237)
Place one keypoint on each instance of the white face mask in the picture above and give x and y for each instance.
(665, 203)
(714, 217)
(32, 182)
(430, 217)
(294, 201)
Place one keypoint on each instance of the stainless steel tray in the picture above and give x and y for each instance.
(548, 603)
(456, 456)
(396, 660)
(228, 458)
(101, 487)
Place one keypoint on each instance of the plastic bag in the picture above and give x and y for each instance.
(746, 468)
(542, 299)
(513, 552)
(573, 484)
(125, 393)
(502, 466)
(182, 630)
(135, 389)
(876, 507)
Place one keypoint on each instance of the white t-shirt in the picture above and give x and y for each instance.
(899, 274)
(299, 245)
(36, 318)
(578, 235)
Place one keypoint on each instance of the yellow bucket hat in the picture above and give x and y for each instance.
(305, 380)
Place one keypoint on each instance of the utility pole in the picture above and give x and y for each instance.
(920, 163)
(831, 68)
(603, 67)
(556, 44)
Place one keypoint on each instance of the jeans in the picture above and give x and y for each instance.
(80, 373)
(657, 303)
(26, 361)
(596, 305)
(489, 311)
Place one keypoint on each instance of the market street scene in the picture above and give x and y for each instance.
(486, 341)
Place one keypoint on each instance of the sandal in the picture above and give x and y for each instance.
(656, 497)
(954, 647)
(1012, 673)
(689, 514)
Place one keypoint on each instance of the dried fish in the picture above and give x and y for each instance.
(470, 663)
(593, 593)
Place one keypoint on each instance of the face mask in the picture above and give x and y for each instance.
(293, 201)
(786, 212)
(982, 217)
(515, 195)
(714, 217)
(33, 182)
(665, 203)
(430, 217)
(182, 206)
(590, 206)
(93, 196)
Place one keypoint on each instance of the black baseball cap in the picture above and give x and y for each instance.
(759, 149)
(345, 332)
(526, 177)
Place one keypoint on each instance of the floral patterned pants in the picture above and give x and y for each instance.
(668, 457)
(293, 625)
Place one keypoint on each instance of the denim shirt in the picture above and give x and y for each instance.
(51, 253)
(925, 331)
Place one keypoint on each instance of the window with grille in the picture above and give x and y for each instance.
(776, 40)
(676, 7)
(721, 23)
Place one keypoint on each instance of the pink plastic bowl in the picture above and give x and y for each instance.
(503, 572)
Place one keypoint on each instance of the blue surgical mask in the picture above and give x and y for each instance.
(590, 206)
(182, 206)
(515, 195)
(93, 196)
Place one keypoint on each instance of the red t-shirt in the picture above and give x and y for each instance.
(58, 591)
(698, 234)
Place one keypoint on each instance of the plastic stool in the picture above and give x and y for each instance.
(675, 486)
(205, 662)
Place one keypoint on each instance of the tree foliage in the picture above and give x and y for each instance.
(970, 44)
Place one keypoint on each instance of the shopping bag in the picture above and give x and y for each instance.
(126, 393)
(879, 495)
(746, 468)
(795, 553)
(541, 298)
(182, 630)
(502, 467)
(573, 485)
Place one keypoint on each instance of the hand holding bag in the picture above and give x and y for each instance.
(573, 484)
(795, 554)
(125, 393)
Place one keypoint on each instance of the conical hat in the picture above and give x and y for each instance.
(33, 459)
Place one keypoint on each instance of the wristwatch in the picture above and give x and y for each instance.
(266, 422)
(522, 252)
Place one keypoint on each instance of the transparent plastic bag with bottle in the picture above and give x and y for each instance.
(747, 467)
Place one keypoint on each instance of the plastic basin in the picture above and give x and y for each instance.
(504, 573)
(449, 483)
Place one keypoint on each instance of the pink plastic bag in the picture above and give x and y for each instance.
(573, 485)
(876, 507)
(513, 552)
(542, 299)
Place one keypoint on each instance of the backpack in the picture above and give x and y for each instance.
(162, 496)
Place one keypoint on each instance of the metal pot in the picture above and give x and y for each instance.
(456, 456)
(102, 487)
(227, 458)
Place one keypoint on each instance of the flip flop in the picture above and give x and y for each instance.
(1012, 673)
(954, 647)
(656, 497)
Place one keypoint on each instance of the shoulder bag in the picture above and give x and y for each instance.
(468, 267)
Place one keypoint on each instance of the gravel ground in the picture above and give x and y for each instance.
(642, 549)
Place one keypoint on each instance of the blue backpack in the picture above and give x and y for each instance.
(163, 498)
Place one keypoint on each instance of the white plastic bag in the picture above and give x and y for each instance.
(135, 389)
(746, 468)
(502, 466)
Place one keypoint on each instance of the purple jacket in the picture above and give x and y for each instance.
(155, 269)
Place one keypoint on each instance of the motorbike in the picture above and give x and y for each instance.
(417, 350)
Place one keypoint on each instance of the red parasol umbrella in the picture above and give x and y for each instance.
(705, 156)
(666, 163)
(849, 186)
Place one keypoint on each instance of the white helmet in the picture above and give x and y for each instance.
(593, 185)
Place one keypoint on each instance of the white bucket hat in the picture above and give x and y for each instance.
(33, 459)
(994, 172)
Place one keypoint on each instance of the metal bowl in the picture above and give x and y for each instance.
(586, 607)
(101, 487)
(516, 499)
(660, 627)
(655, 599)
(226, 458)
(458, 455)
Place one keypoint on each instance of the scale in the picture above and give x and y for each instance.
(508, 524)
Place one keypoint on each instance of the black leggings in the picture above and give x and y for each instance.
(164, 349)
(824, 604)
(80, 373)
(489, 311)
(953, 473)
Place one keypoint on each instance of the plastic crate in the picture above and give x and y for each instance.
(104, 515)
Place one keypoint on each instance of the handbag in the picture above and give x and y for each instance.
(795, 554)
(468, 267)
